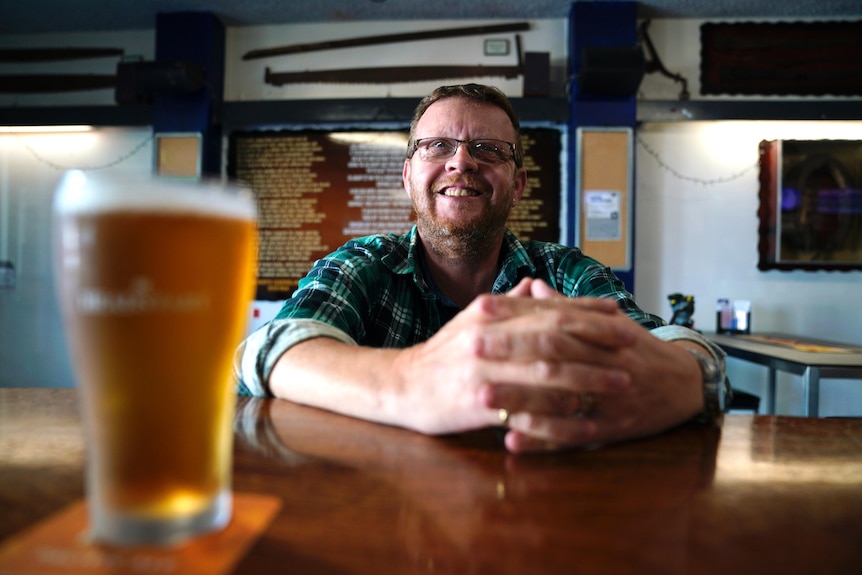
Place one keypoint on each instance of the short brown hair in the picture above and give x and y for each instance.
(477, 93)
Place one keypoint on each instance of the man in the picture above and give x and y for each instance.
(415, 331)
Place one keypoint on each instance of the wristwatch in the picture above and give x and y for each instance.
(716, 388)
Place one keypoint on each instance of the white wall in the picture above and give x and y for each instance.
(244, 79)
(697, 232)
(32, 347)
(135, 44)
(32, 350)
(701, 238)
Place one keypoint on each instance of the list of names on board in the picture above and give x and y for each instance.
(316, 190)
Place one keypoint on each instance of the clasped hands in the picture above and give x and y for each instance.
(557, 372)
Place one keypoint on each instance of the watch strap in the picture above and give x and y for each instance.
(717, 393)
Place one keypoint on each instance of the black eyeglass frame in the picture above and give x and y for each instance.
(412, 147)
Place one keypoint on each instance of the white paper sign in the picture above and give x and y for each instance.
(602, 209)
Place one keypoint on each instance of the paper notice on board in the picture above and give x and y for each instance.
(602, 209)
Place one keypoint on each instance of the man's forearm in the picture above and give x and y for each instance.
(340, 377)
(257, 355)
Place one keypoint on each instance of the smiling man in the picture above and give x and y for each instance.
(459, 325)
(467, 180)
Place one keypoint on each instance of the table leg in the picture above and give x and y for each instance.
(811, 385)
(770, 392)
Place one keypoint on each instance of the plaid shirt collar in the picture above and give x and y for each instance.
(516, 263)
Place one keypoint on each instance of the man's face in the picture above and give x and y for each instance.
(460, 199)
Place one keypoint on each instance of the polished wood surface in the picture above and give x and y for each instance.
(761, 494)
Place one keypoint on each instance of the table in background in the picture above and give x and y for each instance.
(807, 357)
(761, 494)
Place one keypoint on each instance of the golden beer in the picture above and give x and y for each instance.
(155, 282)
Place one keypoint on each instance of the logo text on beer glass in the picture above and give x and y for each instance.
(140, 298)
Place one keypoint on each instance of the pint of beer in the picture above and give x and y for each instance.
(154, 281)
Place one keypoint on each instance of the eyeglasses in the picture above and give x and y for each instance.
(482, 150)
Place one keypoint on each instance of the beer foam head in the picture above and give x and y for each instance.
(86, 192)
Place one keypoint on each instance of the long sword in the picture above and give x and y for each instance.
(55, 54)
(386, 39)
(31, 83)
(390, 74)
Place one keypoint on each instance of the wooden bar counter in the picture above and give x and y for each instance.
(760, 494)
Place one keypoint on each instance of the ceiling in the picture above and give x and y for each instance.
(52, 16)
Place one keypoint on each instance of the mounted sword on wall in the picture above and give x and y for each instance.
(386, 39)
(23, 55)
(32, 83)
(48, 83)
(390, 74)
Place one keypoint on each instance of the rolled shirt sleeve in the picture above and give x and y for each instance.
(257, 355)
(681, 333)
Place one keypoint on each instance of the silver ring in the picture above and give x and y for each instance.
(503, 414)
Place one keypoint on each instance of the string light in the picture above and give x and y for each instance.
(43, 129)
(681, 176)
(110, 164)
(676, 173)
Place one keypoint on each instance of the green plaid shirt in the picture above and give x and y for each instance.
(374, 288)
(373, 291)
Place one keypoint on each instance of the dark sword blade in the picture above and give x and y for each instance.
(386, 39)
(55, 54)
(388, 75)
(28, 83)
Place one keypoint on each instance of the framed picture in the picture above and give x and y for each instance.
(496, 47)
(810, 205)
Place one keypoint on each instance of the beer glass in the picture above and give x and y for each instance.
(154, 281)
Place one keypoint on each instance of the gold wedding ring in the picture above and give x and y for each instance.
(587, 404)
(504, 417)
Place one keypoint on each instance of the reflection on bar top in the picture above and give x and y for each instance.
(788, 450)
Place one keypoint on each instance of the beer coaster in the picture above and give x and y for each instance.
(59, 546)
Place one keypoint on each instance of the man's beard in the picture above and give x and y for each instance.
(471, 240)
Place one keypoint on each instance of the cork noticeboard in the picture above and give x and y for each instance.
(177, 155)
(603, 190)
